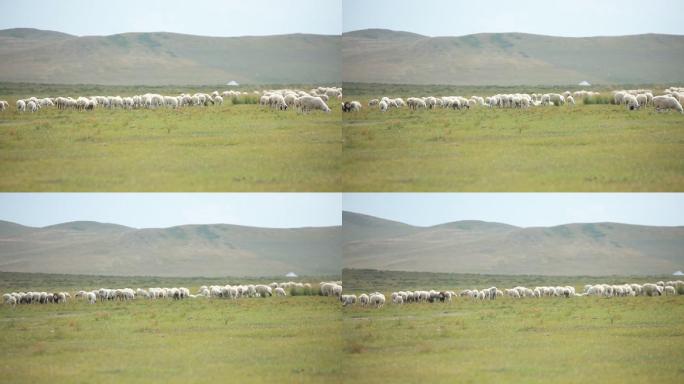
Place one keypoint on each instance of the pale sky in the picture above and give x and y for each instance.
(545, 17)
(161, 210)
(521, 209)
(291, 210)
(196, 17)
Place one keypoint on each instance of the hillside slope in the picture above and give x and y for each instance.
(189, 250)
(493, 248)
(383, 56)
(36, 56)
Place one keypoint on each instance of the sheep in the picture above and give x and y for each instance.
(631, 102)
(377, 299)
(3, 105)
(348, 300)
(373, 102)
(170, 102)
(309, 103)
(570, 100)
(280, 292)
(364, 299)
(662, 103)
(383, 106)
(277, 101)
(642, 99)
(263, 290)
(649, 289)
(557, 99)
(669, 290)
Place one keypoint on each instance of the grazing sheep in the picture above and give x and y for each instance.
(364, 299)
(383, 106)
(21, 106)
(631, 102)
(642, 99)
(263, 290)
(3, 105)
(277, 101)
(377, 299)
(669, 290)
(280, 292)
(348, 300)
(310, 103)
(662, 103)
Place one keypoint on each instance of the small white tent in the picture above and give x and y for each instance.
(291, 274)
(679, 273)
(584, 83)
(233, 83)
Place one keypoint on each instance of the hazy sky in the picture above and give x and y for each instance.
(558, 18)
(158, 210)
(197, 17)
(521, 209)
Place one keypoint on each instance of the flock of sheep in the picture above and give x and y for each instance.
(177, 293)
(315, 99)
(304, 101)
(671, 99)
(334, 288)
(377, 299)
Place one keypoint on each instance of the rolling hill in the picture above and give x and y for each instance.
(595, 249)
(36, 56)
(384, 56)
(182, 251)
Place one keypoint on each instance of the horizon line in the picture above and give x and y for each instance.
(501, 222)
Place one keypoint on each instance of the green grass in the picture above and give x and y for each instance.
(616, 340)
(291, 339)
(582, 148)
(286, 339)
(312, 339)
(238, 147)
(620, 340)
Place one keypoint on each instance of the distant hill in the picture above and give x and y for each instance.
(383, 56)
(596, 249)
(183, 251)
(36, 56)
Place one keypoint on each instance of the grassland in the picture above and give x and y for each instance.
(221, 148)
(291, 339)
(616, 340)
(581, 148)
(311, 339)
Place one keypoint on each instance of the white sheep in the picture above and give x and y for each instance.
(383, 106)
(631, 101)
(348, 300)
(310, 103)
(364, 299)
(377, 299)
(662, 103)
